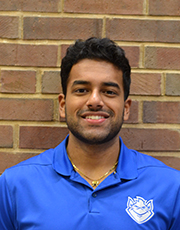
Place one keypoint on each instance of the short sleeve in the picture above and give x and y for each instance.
(6, 216)
(176, 211)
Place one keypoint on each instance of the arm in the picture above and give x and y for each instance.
(176, 213)
(6, 214)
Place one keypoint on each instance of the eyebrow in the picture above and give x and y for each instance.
(113, 84)
(81, 82)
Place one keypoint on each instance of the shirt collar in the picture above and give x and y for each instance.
(61, 162)
(126, 168)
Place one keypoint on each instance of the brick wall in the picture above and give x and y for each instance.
(33, 38)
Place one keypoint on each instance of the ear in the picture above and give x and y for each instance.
(127, 105)
(62, 105)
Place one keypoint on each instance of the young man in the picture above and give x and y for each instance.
(91, 180)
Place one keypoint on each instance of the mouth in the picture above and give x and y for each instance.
(93, 117)
(96, 118)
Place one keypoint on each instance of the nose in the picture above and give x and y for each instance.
(95, 101)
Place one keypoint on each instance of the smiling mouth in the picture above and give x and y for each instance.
(95, 117)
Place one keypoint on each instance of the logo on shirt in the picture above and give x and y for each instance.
(139, 209)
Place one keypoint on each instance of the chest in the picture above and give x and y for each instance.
(67, 204)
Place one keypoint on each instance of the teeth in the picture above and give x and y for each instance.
(94, 117)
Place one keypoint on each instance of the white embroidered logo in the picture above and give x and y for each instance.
(139, 209)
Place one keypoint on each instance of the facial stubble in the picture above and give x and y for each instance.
(92, 138)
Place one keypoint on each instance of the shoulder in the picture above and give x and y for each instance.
(156, 168)
(41, 164)
(25, 168)
(43, 158)
(34, 165)
(145, 160)
(148, 165)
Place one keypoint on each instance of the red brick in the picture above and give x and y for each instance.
(133, 55)
(173, 84)
(162, 58)
(151, 139)
(104, 7)
(6, 134)
(51, 82)
(28, 55)
(9, 27)
(63, 50)
(161, 112)
(26, 109)
(173, 162)
(9, 159)
(164, 7)
(143, 30)
(145, 84)
(18, 81)
(33, 5)
(41, 137)
(134, 115)
(61, 28)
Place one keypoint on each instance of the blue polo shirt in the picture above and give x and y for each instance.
(45, 193)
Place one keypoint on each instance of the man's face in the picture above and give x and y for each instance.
(94, 106)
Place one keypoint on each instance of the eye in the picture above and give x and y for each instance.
(110, 92)
(81, 91)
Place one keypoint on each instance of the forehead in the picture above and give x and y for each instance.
(95, 72)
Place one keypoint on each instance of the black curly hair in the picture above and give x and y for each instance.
(96, 49)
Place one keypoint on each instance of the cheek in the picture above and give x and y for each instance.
(72, 106)
(76, 102)
(117, 107)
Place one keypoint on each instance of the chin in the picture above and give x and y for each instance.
(96, 139)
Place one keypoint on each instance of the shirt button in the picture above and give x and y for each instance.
(94, 195)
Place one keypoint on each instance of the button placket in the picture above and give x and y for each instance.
(94, 195)
(93, 203)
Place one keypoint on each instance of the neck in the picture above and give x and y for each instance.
(93, 160)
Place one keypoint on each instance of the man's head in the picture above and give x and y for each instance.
(96, 49)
